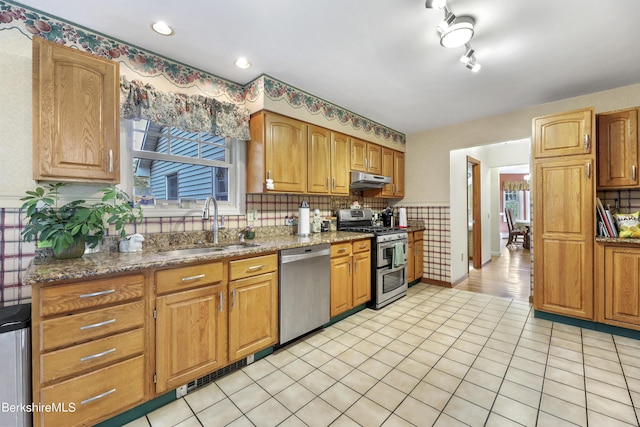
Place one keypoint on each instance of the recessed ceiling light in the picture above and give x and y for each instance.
(242, 62)
(459, 32)
(163, 28)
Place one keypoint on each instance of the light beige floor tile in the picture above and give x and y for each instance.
(375, 368)
(631, 371)
(413, 368)
(496, 355)
(460, 356)
(565, 377)
(467, 346)
(563, 409)
(317, 382)
(414, 336)
(440, 338)
(281, 358)
(400, 347)
(243, 421)
(379, 339)
(234, 382)
(268, 414)
(299, 348)
(191, 422)
(490, 366)
(565, 392)
(249, 397)
(565, 353)
(565, 364)
(609, 391)
(353, 357)
(515, 411)
(316, 358)
(539, 356)
(473, 337)
(259, 369)
(318, 413)
(204, 397)
(452, 367)
(484, 379)
(496, 344)
(598, 419)
(630, 359)
(385, 396)
(496, 420)
(367, 348)
(611, 408)
(348, 340)
(442, 380)
(297, 369)
(340, 396)
(545, 419)
(140, 422)
(359, 381)
(520, 393)
(476, 394)
(605, 376)
(276, 382)
(466, 412)
(389, 357)
(336, 368)
(425, 357)
(170, 414)
(592, 344)
(528, 365)
(317, 339)
(431, 395)
(401, 381)
(361, 332)
(294, 397)
(524, 378)
(607, 365)
(396, 421)
(367, 413)
(292, 421)
(220, 414)
(416, 412)
(344, 421)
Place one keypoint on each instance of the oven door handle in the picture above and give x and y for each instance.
(392, 270)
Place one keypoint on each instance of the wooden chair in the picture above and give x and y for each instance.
(514, 232)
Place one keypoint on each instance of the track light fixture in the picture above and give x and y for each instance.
(456, 31)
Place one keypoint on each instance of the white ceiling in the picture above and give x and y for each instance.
(382, 58)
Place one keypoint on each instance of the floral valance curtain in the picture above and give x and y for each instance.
(515, 185)
(192, 113)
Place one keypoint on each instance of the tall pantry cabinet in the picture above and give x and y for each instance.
(564, 222)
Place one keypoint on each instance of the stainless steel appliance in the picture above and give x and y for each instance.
(304, 290)
(362, 181)
(388, 276)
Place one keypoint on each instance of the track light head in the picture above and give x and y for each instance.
(474, 66)
(458, 32)
(468, 55)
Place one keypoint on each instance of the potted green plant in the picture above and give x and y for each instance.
(68, 227)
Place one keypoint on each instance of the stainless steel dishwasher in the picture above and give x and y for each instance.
(304, 290)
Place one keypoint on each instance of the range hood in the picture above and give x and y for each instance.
(362, 180)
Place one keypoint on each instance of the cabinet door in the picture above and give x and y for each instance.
(191, 335)
(618, 149)
(563, 233)
(253, 314)
(418, 253)
(622, 275)
(361, 278)
(374, 158)
(358, 155)
(398, 173)
(387, 170)
(411, 262)
(318, 160)
(76, 113)
(286, 153)
(341, 285)
(340, 163)
(564, 134)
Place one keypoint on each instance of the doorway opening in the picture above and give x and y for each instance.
(474, 236)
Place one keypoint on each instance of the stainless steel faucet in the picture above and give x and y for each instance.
(205, 215)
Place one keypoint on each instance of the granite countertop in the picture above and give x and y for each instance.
(618, 240)
(102, 263)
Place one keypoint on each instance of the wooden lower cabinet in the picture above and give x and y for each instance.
(620, 296)
(418, 254)
(350, 275)
(191, 335)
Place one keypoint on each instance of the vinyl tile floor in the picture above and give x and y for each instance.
(437, 357)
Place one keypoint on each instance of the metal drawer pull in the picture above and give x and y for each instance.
(233, 303)
(97, 325)
(199, 276)
(633, 172)
(342, 250)
(100, 396)
(110, 160)
(97, 294)
(587, 142)
(256, 267)
(363, 246)
(221, 301)
(95, 356)
(588, 169)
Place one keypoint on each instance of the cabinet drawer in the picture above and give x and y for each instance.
(418, 235)
(87, 326)
(340, 249)
(95, 396)
(252, 266)
(77, 296)
(361, 246)
(89, 356)
(192, 276)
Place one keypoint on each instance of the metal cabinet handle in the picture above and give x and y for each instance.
(363, 246)
(588, 169)
(110, 160)
(221, 301)
(350, 267)
(187, 279)
(100, 396)
(256, 267)
(587, 142)
(97, 325)
(97, 294)
(233, 303)
(342, 250)
(268, 174)
(95, 356)
(634, 172)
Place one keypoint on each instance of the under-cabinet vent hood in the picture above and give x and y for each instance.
(362, 180)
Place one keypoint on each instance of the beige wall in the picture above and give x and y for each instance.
(427, 159)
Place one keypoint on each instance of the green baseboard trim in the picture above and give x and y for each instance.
(415, 282)
(346, 314)
(262, 353)
(587, 324)
(139, 411)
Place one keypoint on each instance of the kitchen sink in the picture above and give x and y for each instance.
(210, 249)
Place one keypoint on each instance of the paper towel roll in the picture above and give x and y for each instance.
(303, 219)
(402, 218)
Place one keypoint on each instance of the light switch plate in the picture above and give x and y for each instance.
(181, 391)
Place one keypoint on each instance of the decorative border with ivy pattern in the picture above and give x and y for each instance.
(35, 23)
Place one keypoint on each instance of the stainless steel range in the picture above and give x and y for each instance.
(388, 257)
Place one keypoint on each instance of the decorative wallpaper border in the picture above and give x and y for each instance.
(35, 23)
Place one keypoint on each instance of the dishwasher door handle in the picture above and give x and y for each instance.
(300, 257)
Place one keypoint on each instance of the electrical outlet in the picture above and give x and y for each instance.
(251, 216)
(181, 391)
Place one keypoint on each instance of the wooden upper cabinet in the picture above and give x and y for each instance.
(618, 149)
(398, 173)
(318, 160)
(340, 162)
(387, 170)
(358, 155)
(393, 166)
(621, 292)
(565, 134)
(277, 150)
(76, 130)
(374, 159)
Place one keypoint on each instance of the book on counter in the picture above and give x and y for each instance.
(604, 216)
